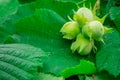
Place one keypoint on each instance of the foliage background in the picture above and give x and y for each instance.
(32, 48)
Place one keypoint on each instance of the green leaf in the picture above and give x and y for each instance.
(85, 67)
(28, 9)
(24, 10)
(108, 58)
(74, 1)
(62, 8)
(19, 61)
(111, 3)
(3, 34)
(101, 76)
(114, 15)
(7, 7)
(116, 21)
(42, 30)
(43, 76)
(25, 1)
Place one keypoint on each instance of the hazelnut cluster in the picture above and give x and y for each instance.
(86, 28)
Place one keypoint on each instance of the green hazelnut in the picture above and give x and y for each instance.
(83, 15)
(94, 30)
(70, 30)
(82, 45)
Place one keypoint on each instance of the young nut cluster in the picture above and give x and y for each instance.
(86, 28)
